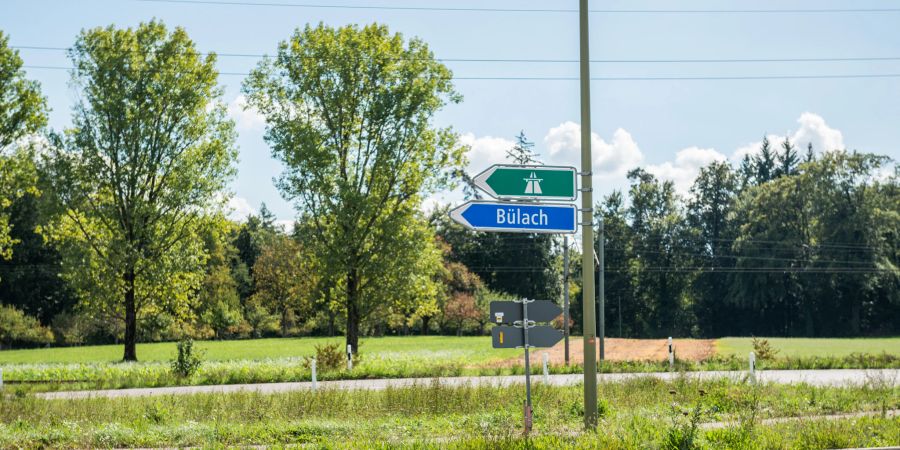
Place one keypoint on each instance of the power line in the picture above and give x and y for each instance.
(527, 10)
(558, 61)
(673, 78)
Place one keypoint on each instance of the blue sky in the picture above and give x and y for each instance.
(673, 127)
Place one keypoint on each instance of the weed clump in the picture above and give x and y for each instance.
(188, 361)
(763, 349)
(328, 357)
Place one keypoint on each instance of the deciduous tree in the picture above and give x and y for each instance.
(147, 158)
(349, 112)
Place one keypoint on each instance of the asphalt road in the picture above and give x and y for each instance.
(841, 377)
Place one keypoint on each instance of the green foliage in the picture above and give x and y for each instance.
(128, 211)
(18, 328)
(187, 361)
(354, 131)
(329, 357)
(23, 112)
(432, 415)
(763, 349)
(286, 277)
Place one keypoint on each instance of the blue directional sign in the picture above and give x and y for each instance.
(516, 217)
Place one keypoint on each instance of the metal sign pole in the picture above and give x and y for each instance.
(566, 294)
(528, 417)
(601, 290)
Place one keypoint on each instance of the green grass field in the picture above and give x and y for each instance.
(636, 414)
(473, 350)
(282, 360)
(443, 348)
(815, 347)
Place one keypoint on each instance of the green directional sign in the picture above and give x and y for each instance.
(528, 182)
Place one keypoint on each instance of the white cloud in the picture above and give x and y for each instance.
(239, 209)
(612, 158)
(686, 166)
(485, 151)
(285, 224)
(813, 130)
(246, 117)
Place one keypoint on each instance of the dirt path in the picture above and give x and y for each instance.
(625, 350)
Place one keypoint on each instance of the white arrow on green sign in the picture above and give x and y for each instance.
(528, 182)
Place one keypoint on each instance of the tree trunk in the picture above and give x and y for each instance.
(425, 321)
(130, 318)
(353, 310)
(284, 324)
(855, 318)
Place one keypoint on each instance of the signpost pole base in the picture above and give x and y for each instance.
(528, 418)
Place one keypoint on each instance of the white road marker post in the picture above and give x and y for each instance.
(349, 357)
(312, 366)
(752, 367)
(671, 355)
(546, 369)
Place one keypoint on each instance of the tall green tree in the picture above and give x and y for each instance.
(765, 162)
(710, 214)
(787, 159)
(23, 111)
(522, 152)
(618, 251)
(286, 280)
(660, 245)
(349, 112)
(148, 157)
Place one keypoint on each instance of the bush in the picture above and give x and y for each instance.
(18, 328)
(763, 349)
(328, 357)
(187, 362)
(72, 328)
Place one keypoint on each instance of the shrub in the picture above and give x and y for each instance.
(187, 362)
(763, 349)
(18, 328)
(72, 328)
(328, 357)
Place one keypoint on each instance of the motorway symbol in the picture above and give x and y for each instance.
(516, 217)
(528, 182)
(504, 336)
(511, 312)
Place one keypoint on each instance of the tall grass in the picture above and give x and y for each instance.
(438, 416)
(47, 377)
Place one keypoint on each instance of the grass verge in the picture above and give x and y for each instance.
(640, 413)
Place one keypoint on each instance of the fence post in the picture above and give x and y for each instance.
(752, 366)
(671, 355)
(313, 367)
(546, 369)
(349, 357)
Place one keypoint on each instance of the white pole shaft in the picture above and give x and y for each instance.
(315, 384)
(546, 369)
(752, 366)
(671, 354)
(349, 357)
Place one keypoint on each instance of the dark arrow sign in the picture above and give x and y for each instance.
(503, 336)
(510, 312)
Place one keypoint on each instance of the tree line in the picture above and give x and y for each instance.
(114, 230)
